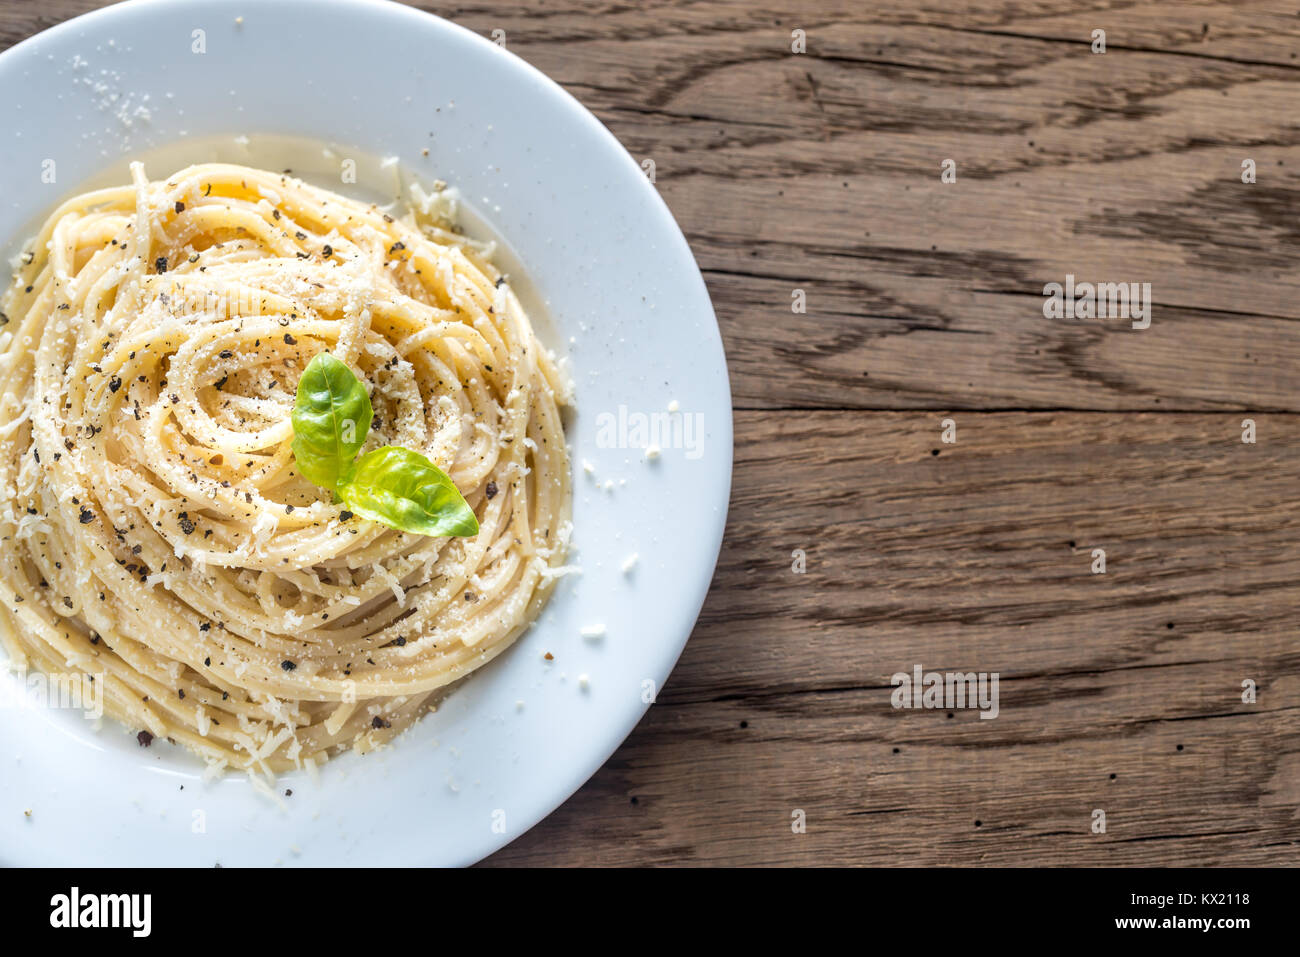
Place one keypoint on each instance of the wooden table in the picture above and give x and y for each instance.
(1120, 692)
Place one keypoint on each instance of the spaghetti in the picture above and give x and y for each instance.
(156, 533)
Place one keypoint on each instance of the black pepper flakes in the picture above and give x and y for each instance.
(160, 264)
(86, 516)
(288, 665)
(492, 489)
(187, 523)
(144, 738)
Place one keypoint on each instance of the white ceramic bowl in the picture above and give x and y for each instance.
(629, 307)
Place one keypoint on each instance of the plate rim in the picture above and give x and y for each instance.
(557, 793)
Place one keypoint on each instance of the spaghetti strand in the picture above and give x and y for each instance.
(156, 532)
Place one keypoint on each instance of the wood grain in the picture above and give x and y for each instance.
(978, 559)
(820, 171)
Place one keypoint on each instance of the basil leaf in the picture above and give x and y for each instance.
(393, 486)
(404, 490)
(330, 420)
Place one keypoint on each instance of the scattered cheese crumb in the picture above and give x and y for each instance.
(583, 682)
(673, 406)
(652, 452)
(588, 467)
(629, 563)
(593, 631)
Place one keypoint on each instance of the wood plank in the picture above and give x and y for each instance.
(1122, 167)
(978, 559)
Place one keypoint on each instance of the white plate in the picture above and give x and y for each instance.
(601, 249)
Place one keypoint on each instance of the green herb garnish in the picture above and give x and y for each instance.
(393, 486)
(331, 418)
